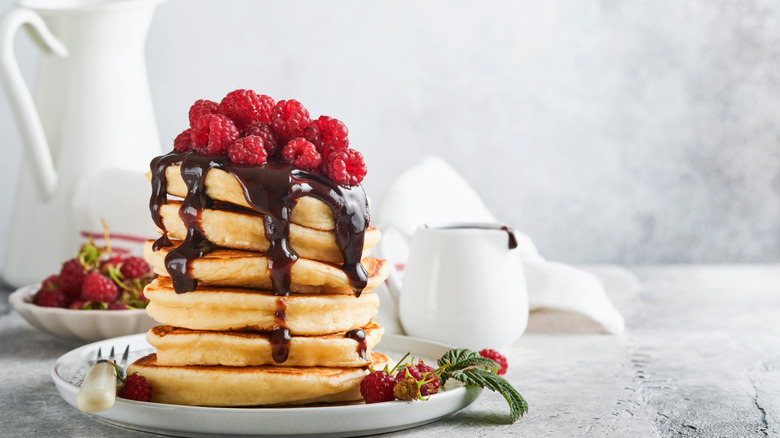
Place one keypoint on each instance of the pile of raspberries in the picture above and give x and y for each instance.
(254, 129)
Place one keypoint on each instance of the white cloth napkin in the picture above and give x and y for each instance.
(433, 192)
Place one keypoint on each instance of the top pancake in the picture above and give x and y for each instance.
(222, 186)
(231, 228)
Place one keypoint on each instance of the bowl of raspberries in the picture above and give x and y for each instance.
(96, 295)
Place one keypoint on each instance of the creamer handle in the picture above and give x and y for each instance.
(27, 118)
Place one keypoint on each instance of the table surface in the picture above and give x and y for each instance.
(699, 357)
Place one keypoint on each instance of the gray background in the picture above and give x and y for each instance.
(625, 132)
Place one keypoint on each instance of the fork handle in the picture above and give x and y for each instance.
(98, 392)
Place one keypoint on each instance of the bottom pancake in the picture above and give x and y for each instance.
(251, 386)
(180, 346)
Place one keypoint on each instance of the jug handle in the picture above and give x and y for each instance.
(19, 95)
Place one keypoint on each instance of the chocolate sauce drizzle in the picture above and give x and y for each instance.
(360, 336)
(482, 226)
(280, 344)
(271, 190)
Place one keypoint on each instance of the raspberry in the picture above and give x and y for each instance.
(264, 131)
(245, 107)
(429, 374)
(377, 387)
(71, 277)
(301, 154)
(327, 134)
(183, 141)
(406, 388)
(497, 357)
(218, 132)
(421, 373)
(96, 287)
(118, 306)
(289, 118)
(201, 108)
(136, 388)
(50, 282)
(345, 167)
(50, 298)
(248, 150)
(77, 305)
(134, 267)
(113, 261)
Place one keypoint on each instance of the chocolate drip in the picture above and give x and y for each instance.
(280, 344)
(512, 238)
(360, 336)
(272, 190)
(350, 212)
(280, 316)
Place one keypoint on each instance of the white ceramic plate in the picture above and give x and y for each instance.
(322, 421)
(79, 325)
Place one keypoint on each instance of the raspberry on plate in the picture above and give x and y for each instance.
(289, 118)
(345, 167)
(136, 388)
(96, 287)
(248, 150)
(377, 387)
(497, 357)
(301, 154)
(421, 373)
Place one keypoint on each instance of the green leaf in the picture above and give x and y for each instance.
(470, 368)
(485, 379)
(462, 358)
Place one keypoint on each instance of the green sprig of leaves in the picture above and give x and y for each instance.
(469, 367)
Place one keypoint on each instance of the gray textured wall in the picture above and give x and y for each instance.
(628, 132)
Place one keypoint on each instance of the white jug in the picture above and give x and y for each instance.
(464, 286)
(94, 115)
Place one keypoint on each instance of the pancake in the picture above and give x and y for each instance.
(212, 308)
(222, 186)
(251, 386)
(244, 230)
(235, 268)
(179, 346)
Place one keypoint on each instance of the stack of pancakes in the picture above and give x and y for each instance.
(237, 331)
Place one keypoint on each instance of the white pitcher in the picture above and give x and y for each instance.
(464, 286)
(94, 120)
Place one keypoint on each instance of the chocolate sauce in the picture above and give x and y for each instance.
(272, 190)
(483, 226)
(512, 238)
(360, 336)
(280, 316)
(280, 344)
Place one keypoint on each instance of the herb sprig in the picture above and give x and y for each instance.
(469, 367)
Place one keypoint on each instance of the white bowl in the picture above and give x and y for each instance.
(79, 325)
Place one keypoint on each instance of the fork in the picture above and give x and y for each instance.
(98, 392)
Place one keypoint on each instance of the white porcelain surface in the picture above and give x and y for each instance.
(79, 325)
(91, 111)
(322, 421)
(464, 287)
